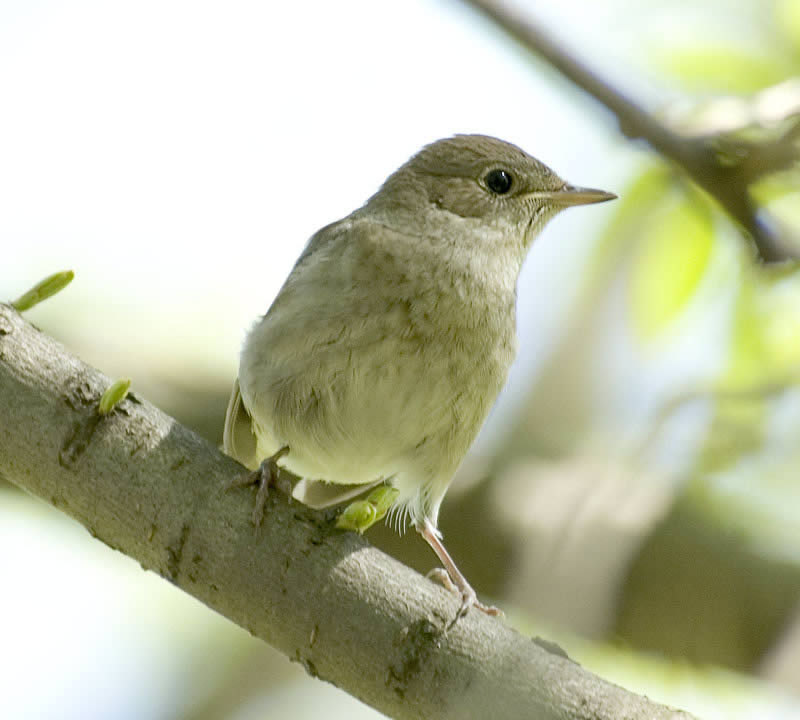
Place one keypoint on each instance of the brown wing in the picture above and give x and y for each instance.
(238, 439)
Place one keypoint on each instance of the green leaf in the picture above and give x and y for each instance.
(358, 516)
(723, 68)
(788, 20)
(362, 514)
(43, 290)
(114, 395)
(668, 263)
(626, 225)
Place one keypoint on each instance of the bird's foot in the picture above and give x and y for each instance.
(468, 596)
(267, 475)
(450, 576)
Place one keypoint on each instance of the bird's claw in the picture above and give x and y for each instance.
(267, 475)
(468, 596)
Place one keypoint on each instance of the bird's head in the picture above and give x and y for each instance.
(481, 178)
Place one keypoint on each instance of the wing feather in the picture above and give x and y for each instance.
(238, 439)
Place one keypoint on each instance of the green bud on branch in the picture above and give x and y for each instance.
(114, 395)
(43, 290)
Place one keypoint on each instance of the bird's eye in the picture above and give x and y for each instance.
(499, 181)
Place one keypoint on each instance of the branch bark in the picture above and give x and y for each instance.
(152, 489)
(696, 156)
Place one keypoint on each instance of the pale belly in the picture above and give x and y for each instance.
(392, 409)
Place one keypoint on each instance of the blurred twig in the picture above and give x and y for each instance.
(698, 157)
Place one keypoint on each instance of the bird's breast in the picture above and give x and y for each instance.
(390, 369)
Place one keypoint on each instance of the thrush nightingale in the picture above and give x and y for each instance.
(387, 345)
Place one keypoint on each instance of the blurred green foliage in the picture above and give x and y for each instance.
(756, 44)
(676, 235)
(678, 314)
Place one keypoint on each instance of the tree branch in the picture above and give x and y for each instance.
(696, 156)
(152, 489)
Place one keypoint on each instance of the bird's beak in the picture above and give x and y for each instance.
(570, 195)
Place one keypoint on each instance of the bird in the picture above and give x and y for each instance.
(391, 338)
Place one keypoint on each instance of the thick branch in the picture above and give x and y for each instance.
(694, 155)
(152, 489)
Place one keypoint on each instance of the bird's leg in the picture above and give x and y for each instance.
(450, 576)
(267, 475)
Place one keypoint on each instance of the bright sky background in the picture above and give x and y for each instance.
(177, 155)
